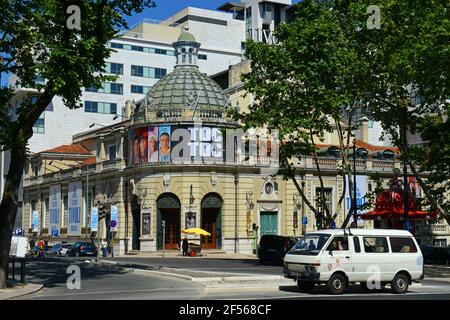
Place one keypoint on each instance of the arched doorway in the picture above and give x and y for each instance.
(169, 210)
(136, 214)
(211, 220)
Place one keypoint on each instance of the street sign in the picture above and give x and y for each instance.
(113, 224)
(55, 233)
(333, 225)
(18, 232)
(305, 220)
(94, 219)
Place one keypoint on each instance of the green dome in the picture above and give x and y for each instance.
(187, 87)
(186, 37)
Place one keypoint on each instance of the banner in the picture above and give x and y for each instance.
(361, 190)
(153, 144)
(35, 221)
(55, 209)
(75, 199)
(164, 144)
(94, 219)
(114, 218)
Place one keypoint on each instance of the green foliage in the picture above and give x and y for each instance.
(35, 40)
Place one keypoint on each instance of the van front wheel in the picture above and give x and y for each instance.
(337, 284)
(400, 283)
(305, 286)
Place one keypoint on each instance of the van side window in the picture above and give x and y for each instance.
(356, 244)
(375, 245)
(338, 244)
(403, 245)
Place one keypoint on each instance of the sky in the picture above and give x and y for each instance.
(165, 9)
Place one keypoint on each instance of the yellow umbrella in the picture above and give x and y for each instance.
(196, 231)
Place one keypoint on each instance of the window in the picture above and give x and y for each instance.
(114, 68)
(111, 88)
(203, 57)
(112, 152)
(248, 22)
(142, 49)
(403, 245)
(46, 210)
(440, 242)
(327, 192)
(338, 244)
(139, 89)
(100, 107)
(375, 245)
(356, 244)
(39, 125)
(65, 206)
(370, 124)
(137, 71)
(148, 72)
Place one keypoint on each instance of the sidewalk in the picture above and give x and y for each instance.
(18, 290)
(211, 254)
(437, 272)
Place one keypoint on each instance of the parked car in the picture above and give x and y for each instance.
(59, 250)
(338, 258)
(435, 254)
(82, 249)
(274, 247)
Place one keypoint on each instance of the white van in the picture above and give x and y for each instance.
(338, 257)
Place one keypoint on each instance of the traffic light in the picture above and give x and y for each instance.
(318, 221)
(255, 227)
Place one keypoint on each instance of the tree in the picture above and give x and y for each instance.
(305, 85)
(409, 87)
(65, 43)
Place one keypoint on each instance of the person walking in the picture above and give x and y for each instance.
(185, 246)
(104, 247)
(40, 246)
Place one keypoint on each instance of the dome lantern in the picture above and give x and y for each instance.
(186, 49)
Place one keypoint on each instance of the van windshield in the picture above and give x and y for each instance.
(310, 245)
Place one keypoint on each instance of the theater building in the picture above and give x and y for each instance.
(173, 164)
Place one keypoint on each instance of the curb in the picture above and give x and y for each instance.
(437, 279)
(29, 289)
(238, 282)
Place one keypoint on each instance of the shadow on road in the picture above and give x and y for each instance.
(54, 273)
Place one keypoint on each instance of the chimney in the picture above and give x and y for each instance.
(364, 129)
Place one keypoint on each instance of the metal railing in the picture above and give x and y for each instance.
(11, 269)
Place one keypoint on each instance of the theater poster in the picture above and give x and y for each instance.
(164, 144)
(139, 145)
(55, 209)
(74, 199)
(153, 144)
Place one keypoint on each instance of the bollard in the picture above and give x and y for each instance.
(23, 278)
(13, 268)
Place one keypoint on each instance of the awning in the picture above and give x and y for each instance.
(388, 214)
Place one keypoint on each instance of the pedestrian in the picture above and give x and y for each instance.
(104, 247)
(40, 246)
(185, 246)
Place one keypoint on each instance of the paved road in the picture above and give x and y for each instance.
(105, 283)
(206, 264)
(110, 283)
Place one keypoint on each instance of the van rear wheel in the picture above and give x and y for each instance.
(305, 286)
(337, 284)
(400, 283)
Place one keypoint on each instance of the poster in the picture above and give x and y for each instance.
(75, 198)
(361, 190)
(164, 144)
(206, 142)
(35, 221)
(153, 144)
(114, 218)
(190, 220)
(146, 223)
(94, 219)
(55, 209)
(139, 145)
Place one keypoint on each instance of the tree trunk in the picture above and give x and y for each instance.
(9, 204)
(8, 208)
